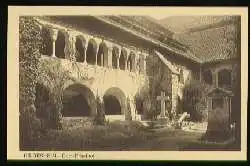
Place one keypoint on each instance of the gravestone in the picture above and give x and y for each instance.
(219, 114)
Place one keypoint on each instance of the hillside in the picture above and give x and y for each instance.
(181, 24)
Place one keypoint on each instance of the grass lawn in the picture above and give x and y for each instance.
(122, 136)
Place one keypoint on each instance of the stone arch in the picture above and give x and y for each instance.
(80, 49)
(224, 78)
(123, 59)
(91, 52)
(60, 45)
(114, 101)
(102, 56)
(47, 48)
(131, 62)
(78, 101)
(115, 54)
(208, 77)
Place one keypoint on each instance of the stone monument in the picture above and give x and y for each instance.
(219, 114)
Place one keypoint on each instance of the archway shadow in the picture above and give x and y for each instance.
(78, 101)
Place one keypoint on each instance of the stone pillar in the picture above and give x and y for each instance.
(102, 63)
(53, 34)
(73, 47)
(109, 56)
(137, 67)
(98, 42)
(118, 58)
(85, 52)
(126, 60)
(97, 50)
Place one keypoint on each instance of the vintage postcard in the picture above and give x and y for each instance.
(127, 83)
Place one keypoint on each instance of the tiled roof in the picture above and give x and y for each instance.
(213, 43)
(146, 26)
(167, 43)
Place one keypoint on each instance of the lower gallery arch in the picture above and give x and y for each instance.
(78, 101)
(114, 101)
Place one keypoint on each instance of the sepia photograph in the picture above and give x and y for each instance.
(129, 82)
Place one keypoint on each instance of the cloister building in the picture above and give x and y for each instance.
(111, 57)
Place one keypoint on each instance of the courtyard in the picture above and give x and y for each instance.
(99, 74)
(124, 136)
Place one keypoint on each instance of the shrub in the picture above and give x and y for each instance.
(194, 100)
(29, 54)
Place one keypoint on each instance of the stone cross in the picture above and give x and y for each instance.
(163, 98)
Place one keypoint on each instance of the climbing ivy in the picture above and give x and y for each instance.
(29, 54)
